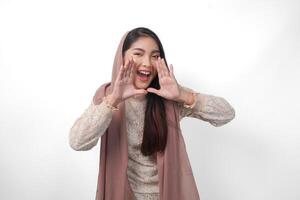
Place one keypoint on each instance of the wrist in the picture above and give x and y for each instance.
(186, 97)
(192, 100)
(112, 100)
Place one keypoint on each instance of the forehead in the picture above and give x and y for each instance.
(145, 43)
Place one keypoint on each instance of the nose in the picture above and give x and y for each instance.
(146, 62)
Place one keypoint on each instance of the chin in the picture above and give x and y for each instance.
(142, 85)
(139, 85)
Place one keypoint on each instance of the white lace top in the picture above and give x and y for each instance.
(142, 172)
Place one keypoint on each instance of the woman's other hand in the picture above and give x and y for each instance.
(169, 88)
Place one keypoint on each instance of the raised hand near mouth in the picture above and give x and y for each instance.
(169, 88)
(123, 86)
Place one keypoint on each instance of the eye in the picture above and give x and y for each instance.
(138, 54)
(156, 56)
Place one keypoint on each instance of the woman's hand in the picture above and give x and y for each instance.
(169, 88)
(123, 86)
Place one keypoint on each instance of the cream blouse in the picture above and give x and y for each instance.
(142, 172)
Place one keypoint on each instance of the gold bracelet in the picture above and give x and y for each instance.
(109, 105)
(194, 102)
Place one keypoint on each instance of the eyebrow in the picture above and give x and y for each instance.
(154, 51)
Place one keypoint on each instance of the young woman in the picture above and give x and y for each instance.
(137, 116)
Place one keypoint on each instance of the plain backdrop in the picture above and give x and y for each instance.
(55, 54)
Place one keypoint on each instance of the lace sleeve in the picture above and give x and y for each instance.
(90, 126)
(215, 110)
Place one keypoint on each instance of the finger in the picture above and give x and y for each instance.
(172, 71)
(159, 69)
(165, 68)
(131, 70)
(127, 67)
(124, 66)
(162, 67)
(153, 90)
(133, 64)
(121, 73)
(127, 74)
(140, 91)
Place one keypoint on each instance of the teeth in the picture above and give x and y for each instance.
(144, 72)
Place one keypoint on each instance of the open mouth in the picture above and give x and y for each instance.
(143, 75)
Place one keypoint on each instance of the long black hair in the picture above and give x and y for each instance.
(155, 122)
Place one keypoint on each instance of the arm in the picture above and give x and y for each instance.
(90, 126)
(215, 110)
(93, 123)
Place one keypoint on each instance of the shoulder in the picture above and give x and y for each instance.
(100, 92)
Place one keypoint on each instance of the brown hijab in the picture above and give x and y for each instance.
(176, 180)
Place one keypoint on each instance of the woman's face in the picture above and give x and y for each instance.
(145, 53)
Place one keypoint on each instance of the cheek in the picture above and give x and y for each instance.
(154, 64)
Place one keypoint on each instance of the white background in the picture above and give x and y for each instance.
(55, 54)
